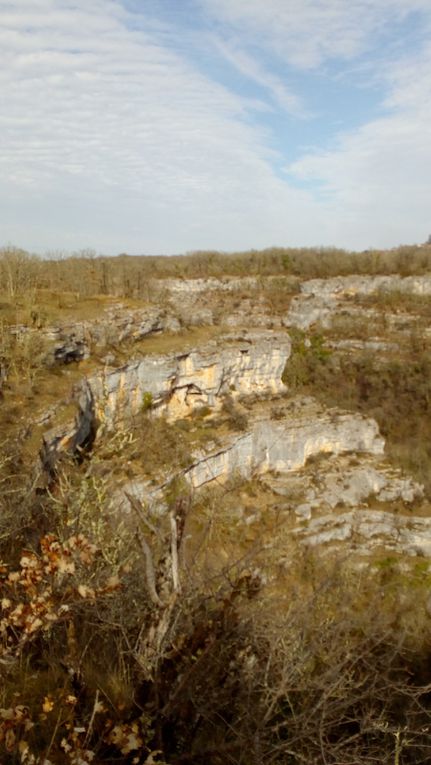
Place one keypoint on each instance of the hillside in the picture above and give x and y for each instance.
(216, 508)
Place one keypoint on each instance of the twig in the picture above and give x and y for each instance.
(93, 715)
(137, 507)
(174, 552)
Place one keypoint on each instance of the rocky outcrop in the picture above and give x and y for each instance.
(196, 286)
(346, 482)
(321, 299)
(278, 449)
(286, 446)
(68, 342)
(348, 286)
(326, 475)
(364, 531)
(177, 384)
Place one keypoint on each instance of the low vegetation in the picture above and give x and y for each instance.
(395, 391)
(123, 647)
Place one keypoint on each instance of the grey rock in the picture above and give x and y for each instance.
(339, 483)
(197, 286)
(286, 445)
(321, 300)
(175, 385)
(371, 529)
(367, 285)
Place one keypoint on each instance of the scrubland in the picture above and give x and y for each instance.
(188, 640)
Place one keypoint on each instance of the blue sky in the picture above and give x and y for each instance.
(164, 126)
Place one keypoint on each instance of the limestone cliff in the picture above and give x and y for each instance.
(367, 530)
(321, 299)
(176, 384)
(286, 445)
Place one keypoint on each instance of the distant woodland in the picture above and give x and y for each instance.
(127, 276)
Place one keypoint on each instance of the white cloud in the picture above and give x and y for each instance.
(110, 137)
(377, 178)
(373, 180)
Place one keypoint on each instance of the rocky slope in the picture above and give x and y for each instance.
(321, 301)
(324, 469)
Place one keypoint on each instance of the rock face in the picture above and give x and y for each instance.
(278, 450)
(320, 299)
(370, 529)
(196, 286)
(75, 342)
(367, 285)
(285, 446)
(237, 303)
(346, 481)
(175, 385)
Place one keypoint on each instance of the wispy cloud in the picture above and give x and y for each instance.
(251, 68)
(306, 33)
(373, 179)
(378, 176)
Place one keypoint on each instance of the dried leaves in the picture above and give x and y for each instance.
(45, 587)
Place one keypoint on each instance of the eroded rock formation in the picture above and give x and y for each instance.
(320, 300)
(286, 445)
(175, 385)
(364, 531)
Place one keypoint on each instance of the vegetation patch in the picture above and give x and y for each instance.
(396, 392)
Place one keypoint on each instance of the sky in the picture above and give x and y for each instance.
(167, 126)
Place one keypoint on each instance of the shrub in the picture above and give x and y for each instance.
(333, 670)
(147, 401)
(236, 419)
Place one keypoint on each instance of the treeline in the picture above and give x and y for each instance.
(128, 276)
